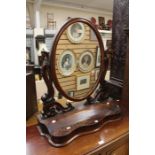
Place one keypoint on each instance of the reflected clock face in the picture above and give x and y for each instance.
(75, 32)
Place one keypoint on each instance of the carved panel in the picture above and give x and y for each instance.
(119, 38)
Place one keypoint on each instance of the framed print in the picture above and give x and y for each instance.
(76, 32)
(96, 74)
(50, 16)
(51, 24)
(86, 61)
(98, 57)
(66, 63)
(83, 82)
(101, 21)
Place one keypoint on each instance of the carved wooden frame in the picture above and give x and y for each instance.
(52, 59)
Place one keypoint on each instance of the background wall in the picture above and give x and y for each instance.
(62, 13)
(30, 12)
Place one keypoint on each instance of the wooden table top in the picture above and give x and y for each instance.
(38, 145)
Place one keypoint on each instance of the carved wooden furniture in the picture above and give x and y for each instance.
(71, 68)
(119, 48)
(31, 99)
(125, 92)
(111, 139)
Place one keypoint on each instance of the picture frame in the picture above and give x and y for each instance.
(51, 24)
(96, 74)
(98, 57)
(66, 63)
(76, 32)
(101, 21)
(83, 82)
(86, 61)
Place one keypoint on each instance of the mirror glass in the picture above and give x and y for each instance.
(78, 60)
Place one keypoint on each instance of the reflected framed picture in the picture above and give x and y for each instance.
(66, 63)
(76, 32)
(83, 82)
(96, 74)
(86, 61)
(101, 21)
(98, 57)
(51, 24)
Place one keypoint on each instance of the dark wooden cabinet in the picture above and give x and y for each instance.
(31, 99)
(121, 150)
(118, 146)
(119, 38)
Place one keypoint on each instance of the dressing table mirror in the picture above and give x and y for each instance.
(77, 68)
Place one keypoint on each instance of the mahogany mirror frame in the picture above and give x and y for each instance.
(52, 57)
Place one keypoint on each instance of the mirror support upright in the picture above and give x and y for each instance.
(50, 106)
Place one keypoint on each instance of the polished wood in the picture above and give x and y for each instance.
(50, 106)
(120, 150)
(98, 143)
(63, 129)
(110, 89)
(68, 126)
(56, 47)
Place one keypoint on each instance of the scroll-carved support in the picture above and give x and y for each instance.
(102, 93)
(90, 100)
(50, 106)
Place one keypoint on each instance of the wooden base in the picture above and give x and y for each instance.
(64, 128)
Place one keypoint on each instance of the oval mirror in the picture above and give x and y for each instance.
(76, 62)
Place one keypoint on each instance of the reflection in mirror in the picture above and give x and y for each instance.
(77, 60)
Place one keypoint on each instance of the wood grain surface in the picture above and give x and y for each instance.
(87, 144)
